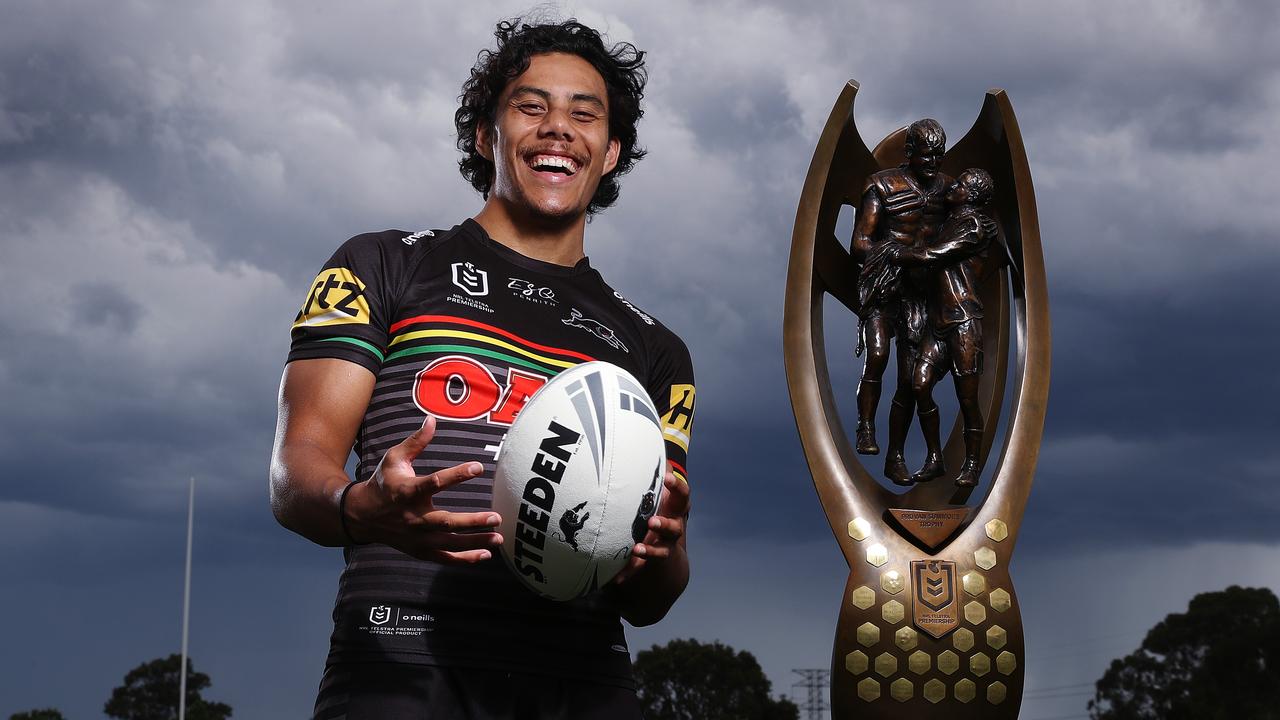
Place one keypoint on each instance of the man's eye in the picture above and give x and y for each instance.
(585, 115)
(530, 108)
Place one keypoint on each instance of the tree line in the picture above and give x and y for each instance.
(1219, 660)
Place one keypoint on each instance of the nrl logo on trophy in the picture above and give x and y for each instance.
(943, 277)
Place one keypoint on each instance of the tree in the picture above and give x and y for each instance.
(41, 714)
(1218, 660)
(687, 680)
(150, 692)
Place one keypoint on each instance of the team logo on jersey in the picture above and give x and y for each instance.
(379, 614)
(594, 327)
(678, 422)
(472, 280)
(413, 239)
(526, 290)
(647, 320)
(336, 298)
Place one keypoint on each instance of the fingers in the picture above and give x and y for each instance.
(450, 476)
(666, 529)
(469, 557)
(455, 548)
(675, 500)
(652, 551)
(460, 542)
(412, 446)
(422, 487)
(449, 522)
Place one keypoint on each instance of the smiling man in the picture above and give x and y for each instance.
(417, 349)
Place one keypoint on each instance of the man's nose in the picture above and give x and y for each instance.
(556, 123)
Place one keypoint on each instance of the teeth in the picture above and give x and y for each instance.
(555, 161)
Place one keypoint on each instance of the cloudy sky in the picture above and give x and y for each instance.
(172, 175)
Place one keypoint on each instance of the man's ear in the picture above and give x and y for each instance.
(611, 155)
(484, 141)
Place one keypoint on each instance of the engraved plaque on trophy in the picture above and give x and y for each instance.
(943, 276)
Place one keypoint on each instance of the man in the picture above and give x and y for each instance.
(420, 348)
(900, 207)
(956, 263)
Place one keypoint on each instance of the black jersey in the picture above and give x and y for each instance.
(464, 328)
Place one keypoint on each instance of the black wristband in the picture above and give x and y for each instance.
(342, 512)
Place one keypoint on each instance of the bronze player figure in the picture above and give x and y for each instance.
(955, 264)
(900, 207)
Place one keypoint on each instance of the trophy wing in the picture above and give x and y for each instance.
(820, 265)
(994, 143)
(844, 159)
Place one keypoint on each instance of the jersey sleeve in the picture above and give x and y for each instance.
(347, 308)
(672, 390)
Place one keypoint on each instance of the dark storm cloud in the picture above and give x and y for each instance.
(104, 305)
(734, 116)
(170, 134)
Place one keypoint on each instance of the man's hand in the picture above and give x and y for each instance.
(394, 507)
(666, 528)
(903, 255)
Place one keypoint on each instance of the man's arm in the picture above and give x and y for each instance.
(659, 568)
(968, 241)
(864, 227)
(322, 402)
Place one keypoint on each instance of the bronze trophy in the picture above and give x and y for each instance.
(944, 266)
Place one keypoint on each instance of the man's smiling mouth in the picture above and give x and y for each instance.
(554, 163)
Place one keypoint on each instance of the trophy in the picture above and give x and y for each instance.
(943, 270)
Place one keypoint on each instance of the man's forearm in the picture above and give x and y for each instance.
(305, 488)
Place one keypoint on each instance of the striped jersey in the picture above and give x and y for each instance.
(461, 327)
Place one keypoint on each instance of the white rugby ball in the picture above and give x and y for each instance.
(578, 477)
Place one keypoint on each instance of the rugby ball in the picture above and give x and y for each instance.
(577, 479)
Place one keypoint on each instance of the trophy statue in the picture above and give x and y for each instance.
(943, 268)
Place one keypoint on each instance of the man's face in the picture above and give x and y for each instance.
(550, 141)
(925, 160)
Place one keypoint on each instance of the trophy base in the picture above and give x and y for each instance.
(925, 637)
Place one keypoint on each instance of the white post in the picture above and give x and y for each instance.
(186, 605)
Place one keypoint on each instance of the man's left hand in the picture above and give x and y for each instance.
(666, 529)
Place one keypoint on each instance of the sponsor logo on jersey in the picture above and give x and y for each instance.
(526, 290)
(456, 387)
(678, 422)
(413, 239)
(594, 327)
(336, 298)
(387, 620)
(472, 280)
(647, 320)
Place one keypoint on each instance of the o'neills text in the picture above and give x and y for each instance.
(540, 496)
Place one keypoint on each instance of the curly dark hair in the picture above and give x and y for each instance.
(621, 66)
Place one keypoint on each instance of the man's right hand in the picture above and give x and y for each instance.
(394, 507)
(322, 403)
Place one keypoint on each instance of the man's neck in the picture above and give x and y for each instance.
(556, 242)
